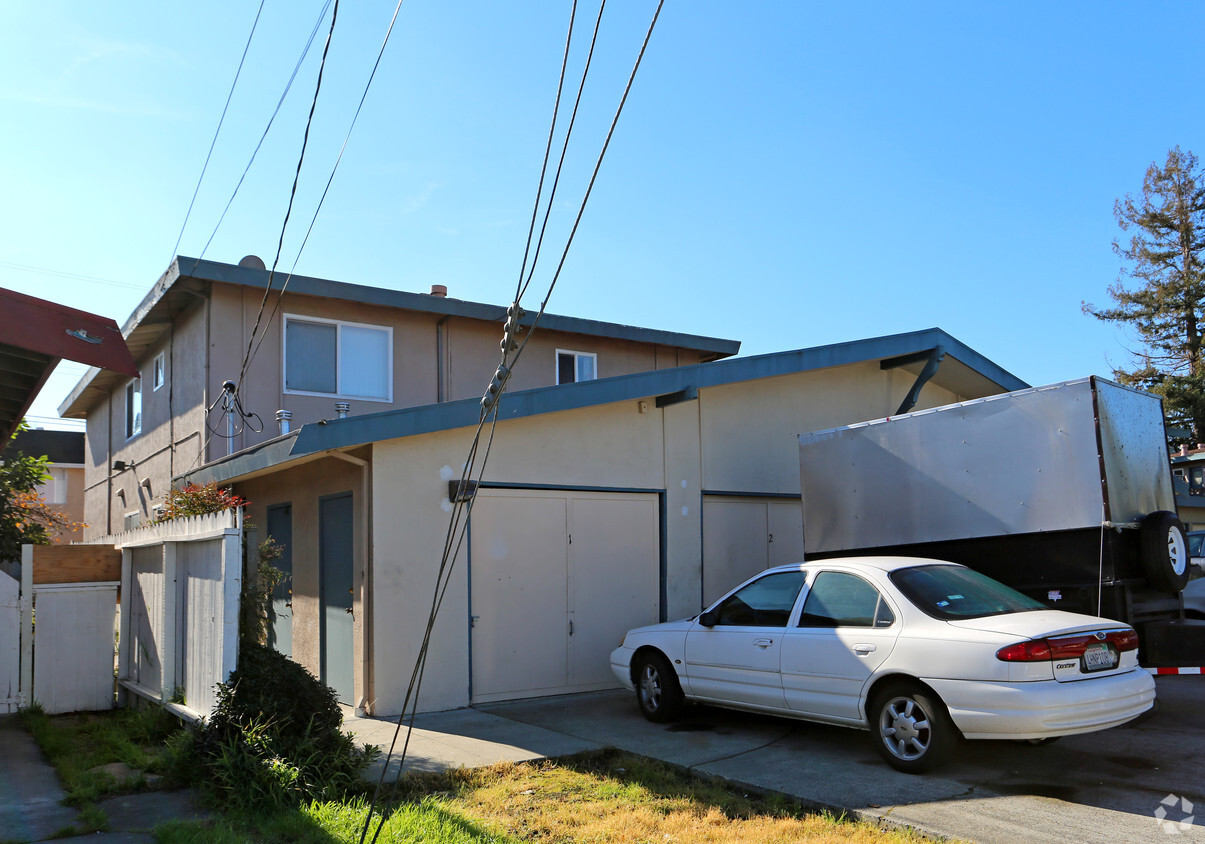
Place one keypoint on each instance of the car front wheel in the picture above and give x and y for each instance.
(657, 690)
(911, 729)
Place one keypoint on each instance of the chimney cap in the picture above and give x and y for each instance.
(439, 290)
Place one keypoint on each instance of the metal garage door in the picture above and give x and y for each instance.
(556, 579)
(744, 535)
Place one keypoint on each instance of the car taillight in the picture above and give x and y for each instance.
(1066, 647)
(1035, 650)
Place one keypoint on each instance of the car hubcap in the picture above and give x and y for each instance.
(904, 728)
(1176, 552)
(650, 688)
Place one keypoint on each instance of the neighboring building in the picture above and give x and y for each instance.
(604, 505)
(64, 491)
(323, 343)
(1188, 473)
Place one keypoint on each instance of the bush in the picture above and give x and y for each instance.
(274, 738)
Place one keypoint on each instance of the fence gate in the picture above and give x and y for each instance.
(10, 643)
(69, 668)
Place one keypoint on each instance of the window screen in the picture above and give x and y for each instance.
(310, 357)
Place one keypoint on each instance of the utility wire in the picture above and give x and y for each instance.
(334, 169)
(458, 522)
(217, 132)
(292, 196)
(288, 86)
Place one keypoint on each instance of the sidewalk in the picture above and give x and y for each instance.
(30, 800)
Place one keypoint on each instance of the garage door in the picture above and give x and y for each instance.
(556, 580)
(744, 535)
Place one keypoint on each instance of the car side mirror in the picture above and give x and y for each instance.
(709, 618)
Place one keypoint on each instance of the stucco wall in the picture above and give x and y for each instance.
(301, 487)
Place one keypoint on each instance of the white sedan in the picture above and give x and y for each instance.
(920, 652)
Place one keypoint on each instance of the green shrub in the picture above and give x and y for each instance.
(274, 738)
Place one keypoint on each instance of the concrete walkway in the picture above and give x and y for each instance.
(31, 809)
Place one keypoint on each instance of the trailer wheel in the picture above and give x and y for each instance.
(1164, 549)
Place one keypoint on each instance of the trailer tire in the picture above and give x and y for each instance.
(1163, 546)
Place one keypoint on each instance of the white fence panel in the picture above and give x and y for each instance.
(143, 643)
(73, 653)
(184, 578)
(10, 643)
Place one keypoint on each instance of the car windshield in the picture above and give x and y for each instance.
(952, 592)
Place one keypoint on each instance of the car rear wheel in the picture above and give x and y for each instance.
(657, 690)
(911, 728)
(1163, 547)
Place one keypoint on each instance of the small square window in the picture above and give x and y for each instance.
(159, 372)
(572, 367)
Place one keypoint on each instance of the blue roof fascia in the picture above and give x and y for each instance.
(270, 453)
(392, 424)
(424, 302)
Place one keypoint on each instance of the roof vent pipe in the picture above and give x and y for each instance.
(439, 290)
(342, 408)
(282, 419)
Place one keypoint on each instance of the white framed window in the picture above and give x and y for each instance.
(54, 490)
(326, 357)
(134, 408)
(572, 367)
(159, 372)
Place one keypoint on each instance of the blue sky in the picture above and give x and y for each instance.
(787, 174)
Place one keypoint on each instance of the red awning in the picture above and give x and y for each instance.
(35, 335)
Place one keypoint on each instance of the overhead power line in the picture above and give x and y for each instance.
(475, 465)
(216, 132)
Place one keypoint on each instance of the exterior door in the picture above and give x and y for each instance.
(280, 528)
(745, 535)
(336, 567)
(556, 578)
(846, 630)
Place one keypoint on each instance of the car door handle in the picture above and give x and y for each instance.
(763, 643)
(863, 650)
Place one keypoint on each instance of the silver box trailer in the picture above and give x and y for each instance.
(1064, 492)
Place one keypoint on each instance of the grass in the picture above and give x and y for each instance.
(75, 744)
(605, 796)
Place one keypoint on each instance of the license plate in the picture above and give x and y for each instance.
(1099, 658)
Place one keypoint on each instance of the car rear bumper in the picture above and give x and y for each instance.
(1045, 708)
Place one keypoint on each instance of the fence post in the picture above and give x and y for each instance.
(125, 609)
(232, 579)
(167, 656)
(26, 691)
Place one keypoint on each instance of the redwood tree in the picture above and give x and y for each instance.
(1165, 307)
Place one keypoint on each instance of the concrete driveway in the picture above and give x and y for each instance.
(1103, 787)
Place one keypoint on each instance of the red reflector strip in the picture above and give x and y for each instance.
(1197, 670)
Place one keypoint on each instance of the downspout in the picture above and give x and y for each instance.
(365, 703)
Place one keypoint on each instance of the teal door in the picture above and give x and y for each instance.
(280, 528)
(335, 564)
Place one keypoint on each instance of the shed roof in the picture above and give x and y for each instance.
(189, 278)
(963, 370)
(36, 335)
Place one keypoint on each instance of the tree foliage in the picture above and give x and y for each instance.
(25, 517)
(1166, 306)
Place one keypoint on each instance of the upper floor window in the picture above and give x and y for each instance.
(331, 358)
(54, 488)
(159, 371)
(572, 367)
(134, 408)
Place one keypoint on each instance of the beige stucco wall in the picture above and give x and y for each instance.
(172, 425)
(739, 437)
(302, 487)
